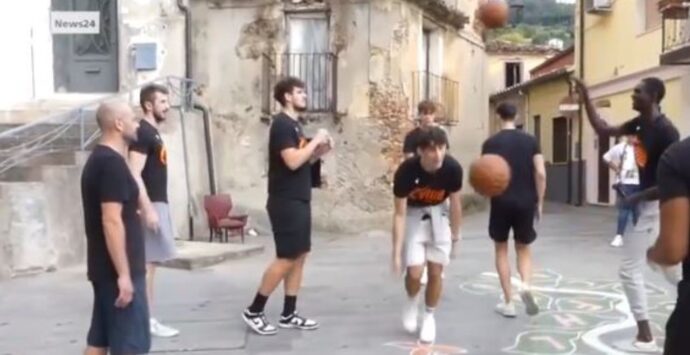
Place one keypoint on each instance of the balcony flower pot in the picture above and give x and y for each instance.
(674, 9)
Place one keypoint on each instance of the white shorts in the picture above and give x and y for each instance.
(420, 247)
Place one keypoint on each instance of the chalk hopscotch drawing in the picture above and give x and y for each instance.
(575, 314)
(417, 348)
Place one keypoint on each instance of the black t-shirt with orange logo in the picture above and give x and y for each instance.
(155, 173)
(283, 182)
(653, 137)
(422, 188)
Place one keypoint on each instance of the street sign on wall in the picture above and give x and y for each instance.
(75, 22)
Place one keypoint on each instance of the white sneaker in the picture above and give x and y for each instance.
(410, 314)
(428, 333)
(646, 347)
(506, 309)
(617, 241)
(161, 330)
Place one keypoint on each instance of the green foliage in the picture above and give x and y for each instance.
(540, 21)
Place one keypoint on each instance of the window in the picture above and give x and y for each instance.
(513, 73)
(309, 58)
(560, 140)
(652, 16)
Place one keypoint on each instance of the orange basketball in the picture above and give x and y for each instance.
(490, 175)
(493, 13)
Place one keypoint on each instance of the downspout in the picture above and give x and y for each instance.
(580, 172)
(209, 147)
(195, 105)
(187, 38)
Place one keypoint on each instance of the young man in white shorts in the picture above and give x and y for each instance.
(423, 235)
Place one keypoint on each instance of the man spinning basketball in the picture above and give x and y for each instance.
(421, 186)
(654, 133)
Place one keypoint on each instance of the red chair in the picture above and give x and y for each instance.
(220, 221)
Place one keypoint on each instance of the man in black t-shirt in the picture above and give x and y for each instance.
(291, 157)
(672, 245)
(518, 206)
(423, 235)
(149, 163)
(427, 118)
(114, 239)
(654, 133)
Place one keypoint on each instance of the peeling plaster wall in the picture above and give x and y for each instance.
(151, 21)
(374, 88)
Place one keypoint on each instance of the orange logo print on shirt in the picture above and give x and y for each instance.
(640, 154)
(427, 195)
(163, 155)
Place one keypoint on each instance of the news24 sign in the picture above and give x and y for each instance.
(75, 22)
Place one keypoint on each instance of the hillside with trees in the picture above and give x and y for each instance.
(539, 22)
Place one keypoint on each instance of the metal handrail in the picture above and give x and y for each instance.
(28, 147)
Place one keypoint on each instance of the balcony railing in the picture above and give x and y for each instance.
(319, 72)
(444, 91)
(269, 77)
(675, 32)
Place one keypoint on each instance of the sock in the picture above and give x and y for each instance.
(258, 304)
(289, 306)
(429, 310)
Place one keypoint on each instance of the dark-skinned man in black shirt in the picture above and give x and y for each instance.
(654, 133)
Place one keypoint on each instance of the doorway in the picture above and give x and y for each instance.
(87, 63)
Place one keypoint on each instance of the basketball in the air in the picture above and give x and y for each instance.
(490, 175)
(493, 13)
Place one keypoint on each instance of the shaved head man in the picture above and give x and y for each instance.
(115, 244)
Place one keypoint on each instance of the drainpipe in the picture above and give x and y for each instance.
(209, 147)
(187, 38)
(195, 105)
(580, 172)
(570, 151)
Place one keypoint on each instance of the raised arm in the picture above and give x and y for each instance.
(600, 125)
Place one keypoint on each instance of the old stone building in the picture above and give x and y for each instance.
(366, 64)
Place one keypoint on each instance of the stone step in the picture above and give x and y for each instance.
(196, 255)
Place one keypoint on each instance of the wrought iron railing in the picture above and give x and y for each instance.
(75, 129)
(445, 92)
(269, 76)
(319, 72)
(676, 25)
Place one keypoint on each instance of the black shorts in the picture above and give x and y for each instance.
(507, 217)
(677, 339)
(291, 224)
(122, 330)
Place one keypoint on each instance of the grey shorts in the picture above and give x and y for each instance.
(160, 245)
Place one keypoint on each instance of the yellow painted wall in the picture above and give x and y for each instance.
(543, 101)
(496, 65)
(616, 43)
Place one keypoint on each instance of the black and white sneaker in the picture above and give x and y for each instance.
(294, 321)
(258, 323)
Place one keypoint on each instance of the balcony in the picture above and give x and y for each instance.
(675, 32)
(443, 91)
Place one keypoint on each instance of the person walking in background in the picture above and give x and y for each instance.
(621, 159)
